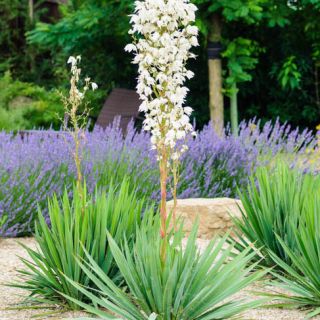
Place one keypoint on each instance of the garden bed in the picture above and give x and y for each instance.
(10, 250)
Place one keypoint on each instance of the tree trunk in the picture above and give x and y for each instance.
(234, 109)
(31, 10)
(215, 76)
(30, 49)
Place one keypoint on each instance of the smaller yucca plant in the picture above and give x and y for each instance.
(272, 208)
(301, 278)
(77, 226)
(189, 285)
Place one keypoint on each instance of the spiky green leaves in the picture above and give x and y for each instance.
(189, 285)
(273, 205)
(77, 226)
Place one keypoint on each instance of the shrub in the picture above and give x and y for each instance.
(106, 154)
(187, 286)
(213, 167)
(301, 277)
(28, 189)
(30, 172)
(79, 225)
(273, 204)
(26, 106)
(27, 181)
(12, 119)
(265, 143)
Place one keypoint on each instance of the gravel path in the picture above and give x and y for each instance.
(9, 263)
(10, 297)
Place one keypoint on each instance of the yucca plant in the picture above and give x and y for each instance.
(189, 285)
(302, 276)
(272, 207)
(76, 226)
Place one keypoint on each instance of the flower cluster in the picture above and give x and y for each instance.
(75, 71)
(72, 104)
(76, 96)
(165, 37)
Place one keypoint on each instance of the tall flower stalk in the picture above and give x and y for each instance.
(73, 115)
(163, 36)
(175, 176)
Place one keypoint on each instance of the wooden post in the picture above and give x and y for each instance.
(215, 75)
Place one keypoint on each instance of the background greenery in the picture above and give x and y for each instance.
(278, 76)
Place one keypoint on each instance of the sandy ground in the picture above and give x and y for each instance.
(10, 297)
(10, 250)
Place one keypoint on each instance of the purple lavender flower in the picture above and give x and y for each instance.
(41, 164)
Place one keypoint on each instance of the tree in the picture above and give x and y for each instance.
(241, 55)
(16, 56)
(297, 68)
(13, 23)
(312, 27)
(98, 29)
(31, 10)
(213, 16)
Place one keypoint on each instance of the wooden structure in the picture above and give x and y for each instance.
(121, 103)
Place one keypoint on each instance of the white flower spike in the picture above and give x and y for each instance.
(72, 60)
(130, 47)
(165, 37)
(94, 86)
(75, 93)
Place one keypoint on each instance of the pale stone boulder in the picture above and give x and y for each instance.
(214, 214)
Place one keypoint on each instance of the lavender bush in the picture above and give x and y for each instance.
(266, 143)
(213, 166)
(40, 164)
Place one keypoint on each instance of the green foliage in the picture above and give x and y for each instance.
(249, 11)
(272, 208)
(11, 42)
(96, 29)
(241, 56)
(3, 220)
(79, 225)
(289, 75)
(277, 13)
(301, 278)
(25, 105)
(12, 120)
(21, 59)
(187, 286)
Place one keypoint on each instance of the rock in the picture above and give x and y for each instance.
(20, 102)
(214, 214)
